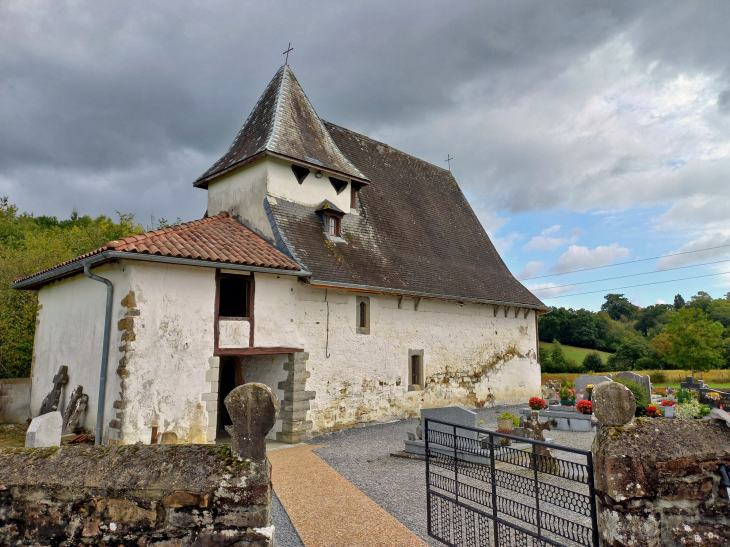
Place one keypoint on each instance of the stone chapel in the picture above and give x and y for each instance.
(352, 278)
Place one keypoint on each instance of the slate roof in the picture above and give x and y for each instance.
(219, 239)
(284, 123)
(415, 231)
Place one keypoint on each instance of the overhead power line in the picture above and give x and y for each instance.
(639, 285)
(630, 275)
(628, 262)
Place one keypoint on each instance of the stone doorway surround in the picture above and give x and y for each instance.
(294, 405)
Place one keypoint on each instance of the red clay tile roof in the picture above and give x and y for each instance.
(219, 239)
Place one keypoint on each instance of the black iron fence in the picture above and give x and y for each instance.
(482, 492)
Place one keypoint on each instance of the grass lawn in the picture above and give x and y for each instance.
(571, 352)
(13, 436)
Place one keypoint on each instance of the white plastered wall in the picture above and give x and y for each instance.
(70, 331)
(242, 192)
(168, 360)
(470, 355)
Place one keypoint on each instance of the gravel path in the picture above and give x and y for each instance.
(285, 535)
(362, 456)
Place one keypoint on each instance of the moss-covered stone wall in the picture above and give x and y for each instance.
(166, 495)
(658, 483)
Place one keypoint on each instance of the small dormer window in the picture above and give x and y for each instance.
(333, 226)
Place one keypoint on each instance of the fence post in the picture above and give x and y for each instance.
(537, 492)
(428, 477)
(456, 468)
(592, 494)
(494, 489)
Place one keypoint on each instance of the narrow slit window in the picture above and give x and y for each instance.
(353, 197)
(233, 296)
(362, 315)
(416, 374)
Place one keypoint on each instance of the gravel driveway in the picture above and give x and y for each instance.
(362, 456)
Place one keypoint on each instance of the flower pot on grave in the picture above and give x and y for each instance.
(565, 402)
(419, 432)
(504, 423)
(669, 411)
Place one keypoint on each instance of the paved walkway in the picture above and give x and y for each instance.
(326, 509)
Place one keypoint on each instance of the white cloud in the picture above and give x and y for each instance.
(547, 242)
(577, 258)
(707, 241)
(546, 290)
(531, 270)
(660, 301)
(504, 243)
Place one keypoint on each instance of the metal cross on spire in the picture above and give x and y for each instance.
(287, 53)
(448, 160)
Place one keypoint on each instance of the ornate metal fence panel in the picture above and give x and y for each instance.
(481, 492)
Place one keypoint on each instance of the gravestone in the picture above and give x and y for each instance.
(76, 405)
(613, 404)
(45, 430)
(644, 381)
(584, 379)
(455, 414)
(50, 403)
(691, 384)
(253, 409)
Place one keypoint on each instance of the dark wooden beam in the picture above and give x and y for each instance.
(254, 351)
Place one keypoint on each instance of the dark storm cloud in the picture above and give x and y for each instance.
(107, 106)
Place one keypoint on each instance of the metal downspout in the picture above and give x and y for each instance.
(104, 351)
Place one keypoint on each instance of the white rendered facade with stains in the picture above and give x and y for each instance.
(162, 367)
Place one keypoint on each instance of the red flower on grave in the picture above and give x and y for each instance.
(536, 403)
(586, 407)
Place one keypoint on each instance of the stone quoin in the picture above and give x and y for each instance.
(351, 278)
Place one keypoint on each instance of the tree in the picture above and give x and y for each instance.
(29, 244)
(719, 310)
(629, 352)
(694, 340)
(650, 316)
(593, 363)
(701, 300)
(678, 302)
(616, 305)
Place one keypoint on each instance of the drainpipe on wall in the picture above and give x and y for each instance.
(104, 351)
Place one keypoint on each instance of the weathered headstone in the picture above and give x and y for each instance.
(585, 379)
(45, 430)
(542, 457)
(613, 404)
(644, 381)
(691, 384)
(50, 403)
(76, 405)
(454, 414)
(168, 437)
(535, 426)
(253, 409)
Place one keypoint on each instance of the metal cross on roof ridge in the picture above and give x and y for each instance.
(448, 160)
(287, 53)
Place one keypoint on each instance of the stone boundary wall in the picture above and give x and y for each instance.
(135, 495)
(15, 400)
(657, 483)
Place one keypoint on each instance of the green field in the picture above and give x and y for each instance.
(571, 352)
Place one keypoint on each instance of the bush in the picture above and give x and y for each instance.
(658, 377)
(593, 363)
(646, 363)
(640, 395)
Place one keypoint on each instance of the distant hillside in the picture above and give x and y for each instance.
(577, 354)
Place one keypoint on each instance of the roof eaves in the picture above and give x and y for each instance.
(386, 290)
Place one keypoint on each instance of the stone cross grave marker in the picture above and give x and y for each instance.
(76, 405)
(50, 403)
(543, 458)
(253, 409)
(691, 384)
(584, 379)
(613, 404)
(455, 414)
